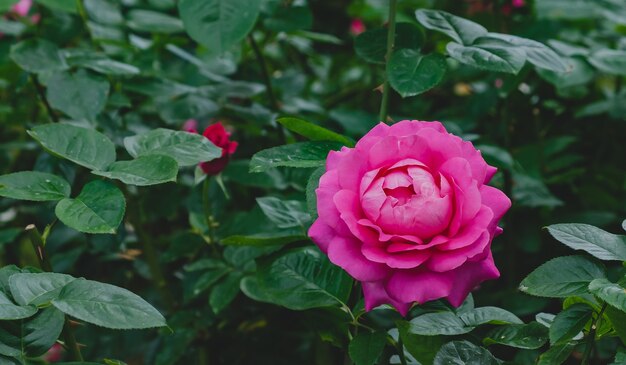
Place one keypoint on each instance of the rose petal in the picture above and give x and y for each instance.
(321, 233)
(399, 260)
(376, 295)
(346, 253)
(442, 261)
(468, 276)
(419, 286)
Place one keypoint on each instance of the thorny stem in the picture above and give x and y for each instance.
(591, 337)
(391, 36)
(39, 245)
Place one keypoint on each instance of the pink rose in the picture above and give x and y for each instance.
(407, 213)
(22, 7)
(518, 3)
(357, 27)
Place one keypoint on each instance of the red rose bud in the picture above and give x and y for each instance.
(54, 354)
(357, 27)
(221, 138)
(191, 126)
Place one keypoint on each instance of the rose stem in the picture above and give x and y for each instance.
(391, 36)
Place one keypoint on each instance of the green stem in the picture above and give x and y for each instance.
(591, 337)
(39, 245)
(264, 71)
(42, 97)
(401, 352)
(203, 357)
(391, 36)
(152, 259)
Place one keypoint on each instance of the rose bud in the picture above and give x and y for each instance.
(221, 138)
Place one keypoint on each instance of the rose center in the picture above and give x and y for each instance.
(402, 193)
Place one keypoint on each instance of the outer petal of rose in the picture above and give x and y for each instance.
(351, 167)
(411, 127)
(376, 295)
(398, 260)
(442, 261)
(480, 169)
(333, 158)
(489, 174)
(419, 286)
(441, 146)
(495, 200)
(372, 137)
(384, 237)
(468, 276)
(346, 253)
(329, 185)
(321, 233)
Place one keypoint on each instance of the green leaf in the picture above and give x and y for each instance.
(153, 22)
(263, 239)
(285, 213)
(557, 355)
(597, 242)
(618, 322)
(34, 186)
(6, 5)
(422, 348)
(464, 353)
(303, 279)
(227, 21)
(580, 73)
(410, 73)
(313, 131)
(143, 171)
(9, 235)
(302, 154)
(569, 323)
(610, 61)
(10, 311)
(537, 53)
(86, 147)
(37, 288)
(371, 45)
(524, 336)
(104, 11)
(107, 306)
(31, 337)
(62, 5)
(491, 315)
(81, 95)
(225, 292)
(441, 323)
(366, 347)
(460, 30)
(37, 55)
(613, 294)
(99, 62)
(490, 58)
(620, 357)
(99, 208)
(187, 149)
(311, 185)
(562, 277)
(12, 28)
(289, 19)
(208, 279)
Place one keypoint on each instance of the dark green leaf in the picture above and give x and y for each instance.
(302, 279)
(366, 347)
(562, 277)
(597, 242)
(227, 21)
(37, 55)
(441, 323)
(371, 45)
(557, 355)
(99, 208)
(82, 146)
(569, 323)
(422, 348)
(107, 306)
(302, 154)
(313, 131)
(491, 315)
(311, 186)
(153, 22)
(33, 336)
(524, 336)
(62, 5)
(609, 61)
(289, 19)
(464, 353)
(225, 292)
(580, 73)
(613, 294)
(490, 58)
(37, 289)
(410, 73)
(285, 213)
(104, 11)
(33, 185)
(263, 239)
(11, 311)
(187, 149)
(81, 95)
(460, 30)
(143, 171)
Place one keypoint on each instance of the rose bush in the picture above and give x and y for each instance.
(408, 213)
